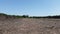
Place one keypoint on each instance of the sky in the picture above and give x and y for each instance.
(30, 7)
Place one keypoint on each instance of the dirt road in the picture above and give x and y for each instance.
(30, 26)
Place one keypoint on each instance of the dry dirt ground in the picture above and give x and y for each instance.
(30, 26)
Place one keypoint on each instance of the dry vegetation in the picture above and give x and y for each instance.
(29, 25)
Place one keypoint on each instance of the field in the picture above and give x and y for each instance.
(29, 26)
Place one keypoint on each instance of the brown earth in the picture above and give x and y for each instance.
(29, 26)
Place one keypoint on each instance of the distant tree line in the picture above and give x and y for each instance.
(57, 16)
(27, 16)
(14, 16)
